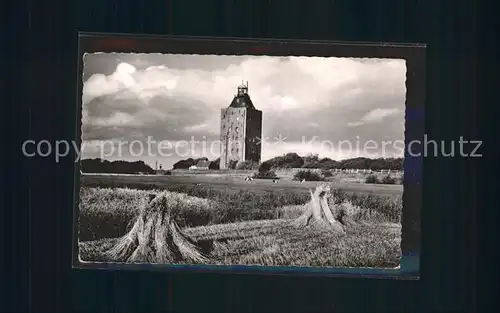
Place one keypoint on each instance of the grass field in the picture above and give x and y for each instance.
(237, 222)
(231, 183)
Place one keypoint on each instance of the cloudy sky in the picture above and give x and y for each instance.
(312, 104)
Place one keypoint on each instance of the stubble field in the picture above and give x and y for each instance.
(237, 222)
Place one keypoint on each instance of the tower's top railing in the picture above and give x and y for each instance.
(242, 89)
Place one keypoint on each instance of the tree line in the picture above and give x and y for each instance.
(114, 167)
(289, 160)
(293, 160)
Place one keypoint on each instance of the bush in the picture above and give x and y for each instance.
(265, 175)
(388, 180)
(247, 165)
(289, 160)
(371, 179)
(214, 165)
(265, 167)
(184, 164)
(326, 173)
(308, 175)
(167, 173)
(232, 164)
(292, 160)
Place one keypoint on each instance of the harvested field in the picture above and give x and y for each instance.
(276, 242)
(246, 228)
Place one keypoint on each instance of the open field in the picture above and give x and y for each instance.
(248, 227)
(276, 242)
(231, 183)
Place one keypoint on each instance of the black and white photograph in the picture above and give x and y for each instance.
(242, 160)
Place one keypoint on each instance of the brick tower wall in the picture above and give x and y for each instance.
(253, 148)
(232, 133)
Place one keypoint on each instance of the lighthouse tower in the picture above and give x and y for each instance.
(240, 130)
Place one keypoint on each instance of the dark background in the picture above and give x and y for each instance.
(41, 66)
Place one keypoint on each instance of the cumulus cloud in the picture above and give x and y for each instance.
(142, 85)
(179, 97)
